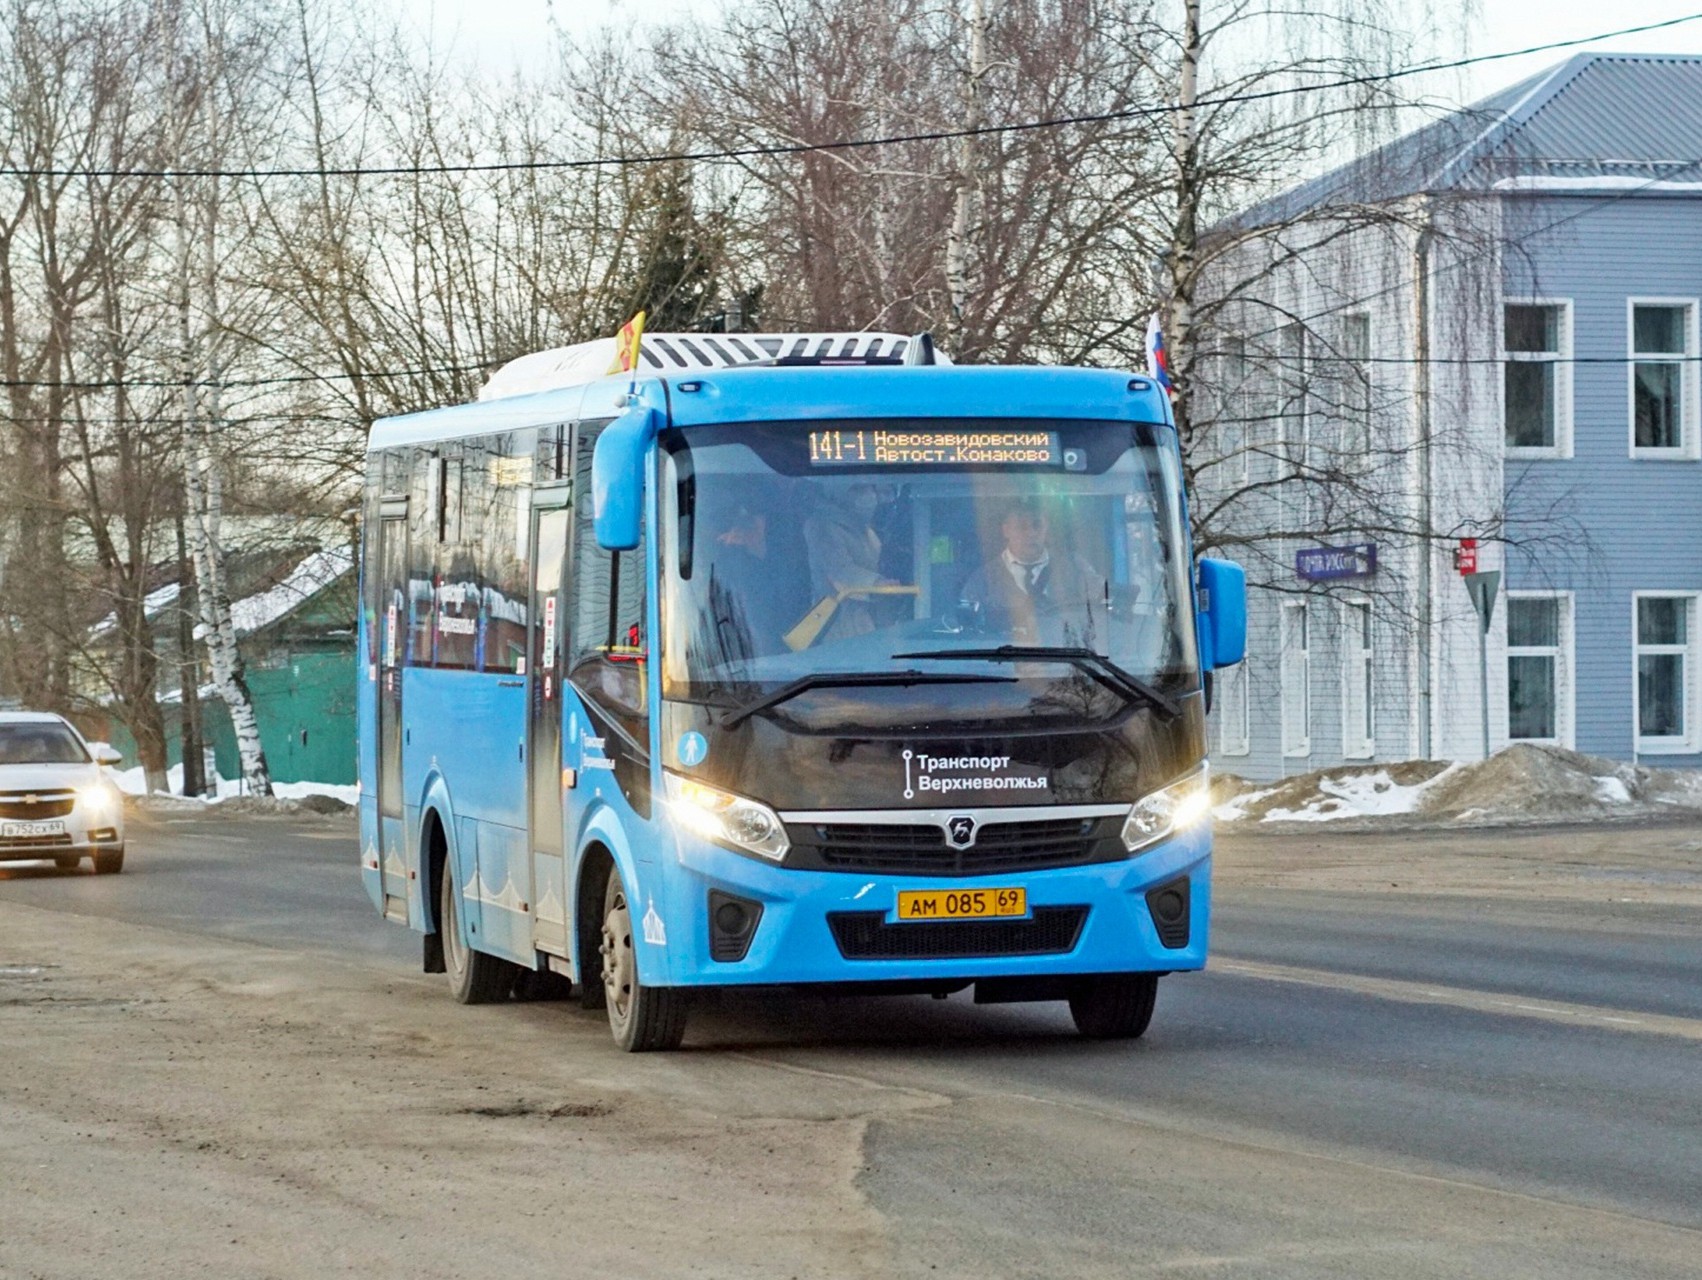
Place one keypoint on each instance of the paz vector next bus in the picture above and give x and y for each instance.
(790, 660)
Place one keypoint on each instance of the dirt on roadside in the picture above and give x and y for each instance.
(1621, 862)
(174, 1106)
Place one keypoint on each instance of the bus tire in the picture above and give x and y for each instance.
(474, 977)
(642, 1019)
(1114, 1006)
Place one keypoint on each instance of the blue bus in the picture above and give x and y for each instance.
(790, 661)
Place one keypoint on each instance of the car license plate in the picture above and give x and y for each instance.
(961, 904)
(19, 830)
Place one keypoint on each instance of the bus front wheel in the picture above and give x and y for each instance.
(1114, 1006)
(474, 977)
(641, 1018)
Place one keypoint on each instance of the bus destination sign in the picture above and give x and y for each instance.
(836, 447)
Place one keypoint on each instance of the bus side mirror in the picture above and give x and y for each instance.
(617, 478)
(1223, 613)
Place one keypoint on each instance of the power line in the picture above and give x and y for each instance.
(229, 384)
(847, 144)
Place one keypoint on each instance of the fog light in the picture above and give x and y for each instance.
(1168, 906)
(732, 925)
(730, 917)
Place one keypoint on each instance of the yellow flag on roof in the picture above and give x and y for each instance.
(626, 345)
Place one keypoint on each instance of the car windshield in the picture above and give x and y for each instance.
(40, 742)
(806, 549)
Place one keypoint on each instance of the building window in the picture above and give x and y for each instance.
(1666, 673)
(1359, 735)
(1296, 682)
(1537, 377)
(1663, 373)
(1290, 420)
(1236, 413)
(1234, 723)
(1539, 668)
(1356, 385)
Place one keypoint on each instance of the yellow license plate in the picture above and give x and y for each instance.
(961, 904)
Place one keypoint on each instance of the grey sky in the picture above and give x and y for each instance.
(499, 32)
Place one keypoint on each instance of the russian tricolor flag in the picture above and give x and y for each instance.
(1157, 359)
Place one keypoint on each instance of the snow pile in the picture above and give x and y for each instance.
(315, 797)
(1523, 783)
(1346, 792)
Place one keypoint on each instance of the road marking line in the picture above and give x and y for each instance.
(1657, 1024)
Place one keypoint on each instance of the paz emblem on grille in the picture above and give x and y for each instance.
(960, 831)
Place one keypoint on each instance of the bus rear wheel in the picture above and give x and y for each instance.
(642, 1019)
(1114, 1006)
(474, 977)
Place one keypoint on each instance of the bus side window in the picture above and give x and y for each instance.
(608, 649)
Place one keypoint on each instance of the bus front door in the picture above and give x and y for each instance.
(550, 520)
(392, 623)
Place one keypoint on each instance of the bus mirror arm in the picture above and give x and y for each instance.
(617, 477)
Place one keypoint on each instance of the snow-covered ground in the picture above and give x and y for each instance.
(1523, 783)
(131, 782)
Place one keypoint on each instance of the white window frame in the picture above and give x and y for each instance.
(1296, 665)
(1233, 709)
(1668, 745)
(1565, 655)
(1689, 435)
(1358, 676)
(1563, 366)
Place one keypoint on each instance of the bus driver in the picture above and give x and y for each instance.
(1028, 585)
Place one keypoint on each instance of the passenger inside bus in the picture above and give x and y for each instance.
(754, 590)
(845, 558)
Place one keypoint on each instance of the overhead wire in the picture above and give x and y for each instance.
(1665, 176)
(844, 144)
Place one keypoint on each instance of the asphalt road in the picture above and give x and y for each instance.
(1504, 1083)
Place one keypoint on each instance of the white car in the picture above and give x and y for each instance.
(55, 801)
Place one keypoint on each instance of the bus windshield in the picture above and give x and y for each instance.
(1040, 555)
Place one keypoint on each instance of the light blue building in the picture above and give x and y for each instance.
(1487, 329)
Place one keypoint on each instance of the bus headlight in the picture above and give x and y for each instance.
(1168, 810)
(720, 815)
(97, 800)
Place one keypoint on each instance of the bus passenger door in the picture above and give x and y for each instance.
(392, 623)
(548, 614)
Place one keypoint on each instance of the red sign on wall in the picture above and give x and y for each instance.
(1465, 556)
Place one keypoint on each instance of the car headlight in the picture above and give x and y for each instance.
(744, 824)
(1168, 810)
(97, 799)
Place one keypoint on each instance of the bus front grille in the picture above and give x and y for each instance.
(868, 935)
(922, 849)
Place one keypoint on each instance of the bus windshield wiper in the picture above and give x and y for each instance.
(1096, 665)
(851, 680)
